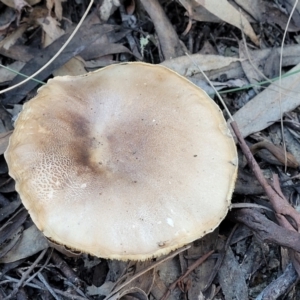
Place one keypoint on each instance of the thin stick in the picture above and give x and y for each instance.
(137, 275)
(248, 205)
(48, 287)
(276, 198)
(25, 275)
(18, 73)
(191, 268)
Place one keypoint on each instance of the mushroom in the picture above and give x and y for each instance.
(129, 162)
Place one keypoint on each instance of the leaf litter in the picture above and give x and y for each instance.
(258, 258)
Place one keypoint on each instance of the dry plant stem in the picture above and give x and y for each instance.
(9, 279)
(47, 285)
(25, 275)
(168, 38)
(278, 201)
(64, 268)
(191, 268)
(248, 205)
(282, 156)
(42, 268)
(38, 285)
(267, 231)
(137, 275)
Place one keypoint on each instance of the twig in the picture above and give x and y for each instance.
(248, 205)
(40, 270)
(137, 275)
(47, 285)
(168, 38)
(267, 230)
(25, 275)
(278, 201)
(191, 268)
(64, 268)
(280, 154)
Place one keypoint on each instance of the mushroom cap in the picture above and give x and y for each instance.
(128, 162)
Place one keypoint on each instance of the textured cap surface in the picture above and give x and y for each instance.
(128, 162)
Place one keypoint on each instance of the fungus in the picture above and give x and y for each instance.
(128, 162)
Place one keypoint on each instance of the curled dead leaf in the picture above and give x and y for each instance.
(224, 11)
(16, 4)
(57, 7)
(278, 152)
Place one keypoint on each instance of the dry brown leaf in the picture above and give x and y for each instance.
(26, 247)
(11, 39)
(185, 67)
(217, 66)
(159, 289)
(137, 288)
(250, 66)
(100, 62)
(214, 64)
(107, 8)
(65, 251)
(16, 4)
(4, 139)
(134, 293)
(232, 279)
(264, 110)
(57, 7)
(204, 270)
(103, 290)
(51, 29)
(74, 67)
(103, 47)
(223, 10)
(198, 12)
(266, 12)
(253, 7)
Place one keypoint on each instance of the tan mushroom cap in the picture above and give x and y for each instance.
(128, 162)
